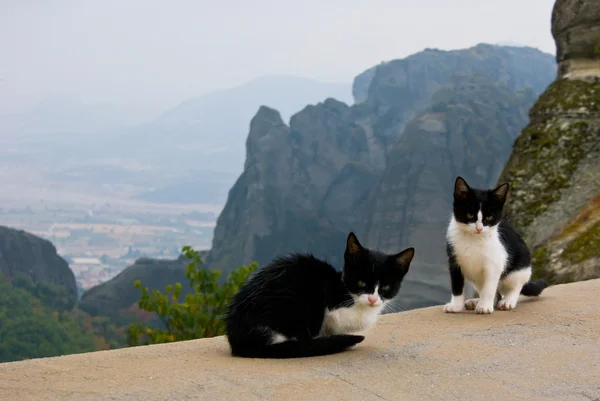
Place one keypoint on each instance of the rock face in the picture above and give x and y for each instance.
(576, 31)
(554, 169)
(118, 294)
(360, 86)
(273, 207)
(382, 167)
(24, 254)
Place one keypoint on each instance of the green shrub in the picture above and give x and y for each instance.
(198, 315)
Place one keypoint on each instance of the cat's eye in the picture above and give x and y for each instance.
(470, 216)
(489, 218)
(385, 287)
(361, 284)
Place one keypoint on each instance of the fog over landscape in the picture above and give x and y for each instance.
(123, 125)
(144, 57)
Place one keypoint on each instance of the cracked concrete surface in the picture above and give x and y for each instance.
(546, 349)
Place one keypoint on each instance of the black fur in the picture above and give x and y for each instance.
(519, 256)
(301, 349)
(289, 296)
(457, 279)
(466, 205)
(534, 288)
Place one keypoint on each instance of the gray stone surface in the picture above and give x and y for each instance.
(546, 349)
(576, 30)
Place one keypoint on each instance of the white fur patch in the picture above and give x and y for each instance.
(278, 338)
(275, 336)
(357, 319)
(515, 281)
(480, 255)
(456, 304)
(510, 288)
(479, 223)
(471, 304)
(364, 298)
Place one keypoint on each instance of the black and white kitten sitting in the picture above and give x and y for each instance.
(485, 249)
(299, 306)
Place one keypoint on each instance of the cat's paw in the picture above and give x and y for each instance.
(484, 308)
(506, 304)
(471, 304)
(454, 307)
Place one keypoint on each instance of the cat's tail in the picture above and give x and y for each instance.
(533, 288)
(298, 349)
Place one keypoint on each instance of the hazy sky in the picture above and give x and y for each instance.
(148, 55)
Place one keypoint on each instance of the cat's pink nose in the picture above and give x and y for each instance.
(478, 228)
(372, 299)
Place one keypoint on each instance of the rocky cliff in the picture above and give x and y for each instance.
(360, 86)
(28, 256)
(370, 167)
(555, 165)
(576, 30)
(115, 296)
(273, 207)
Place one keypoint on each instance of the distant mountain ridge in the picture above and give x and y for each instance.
(192, 152)
(253, 92)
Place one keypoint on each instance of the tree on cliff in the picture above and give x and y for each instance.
(198, 315)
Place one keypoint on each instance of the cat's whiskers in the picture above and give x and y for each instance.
(344, 304)
(388, 307)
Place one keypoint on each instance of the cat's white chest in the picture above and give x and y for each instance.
(353, 320)
(476, 254)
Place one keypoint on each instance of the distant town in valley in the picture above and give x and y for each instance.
(99, 237)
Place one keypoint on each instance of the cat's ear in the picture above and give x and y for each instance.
(353, 247)
(404, 258)
(461, 188)
(501, 192)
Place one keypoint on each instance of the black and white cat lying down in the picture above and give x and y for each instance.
(300, 306)
(483, 248)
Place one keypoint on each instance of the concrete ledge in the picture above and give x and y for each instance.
(548, 348)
